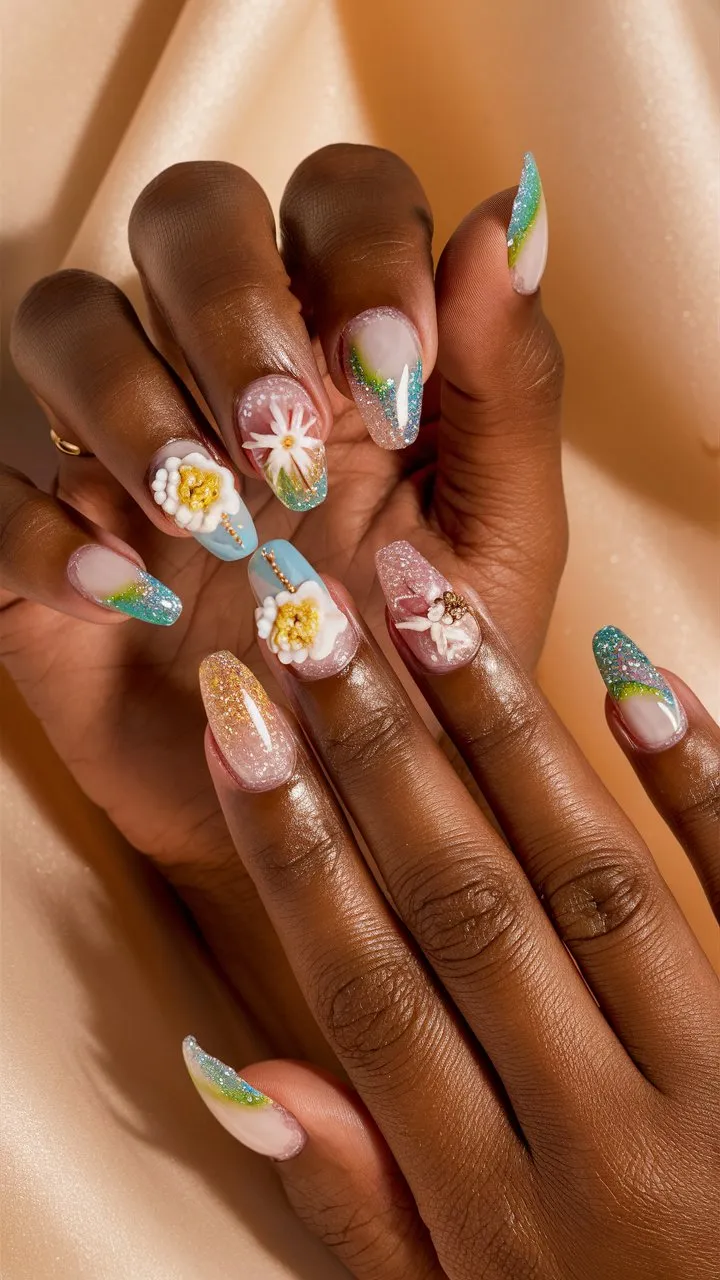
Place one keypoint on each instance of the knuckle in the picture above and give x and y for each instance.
(371, 1013)
(186, 198)
(463, 926)
(514, 726)
(540, 366)
(311, 855)
(55, 302)
(600, 892)
(700, 811)
(382, 731)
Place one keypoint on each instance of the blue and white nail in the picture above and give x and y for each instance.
(296, 616)
(201, 496)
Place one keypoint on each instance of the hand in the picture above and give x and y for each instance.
(480, 489)
(532, 1028)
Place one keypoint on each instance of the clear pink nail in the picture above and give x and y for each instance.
(436, 622)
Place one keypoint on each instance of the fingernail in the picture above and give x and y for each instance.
(383, 365)
(646, 704)
(253, 737)
(527, 235)
(201, 495)
(113, 581)
(436, 622)
(278, 424)
(296, 615)
(249, 1115)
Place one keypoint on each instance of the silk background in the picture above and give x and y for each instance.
(115, 1171)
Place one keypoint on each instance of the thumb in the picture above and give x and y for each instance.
(499, 496)
(338, 1173)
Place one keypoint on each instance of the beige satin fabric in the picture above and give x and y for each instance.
(115, 1171)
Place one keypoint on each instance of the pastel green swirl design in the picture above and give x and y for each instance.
(525, 208)
(213, 1077)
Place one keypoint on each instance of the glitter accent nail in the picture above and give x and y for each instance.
(436, 622)
(527, 234)
(113, 581)
(201, 496)
(382, 359)
(646, 704)
(251, 734)
(296, 615)
(279, 427)
(249, 1115)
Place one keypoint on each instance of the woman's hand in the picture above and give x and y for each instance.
(531, 1027)
(479, 489)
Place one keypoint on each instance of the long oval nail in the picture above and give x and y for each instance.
(253, 737)
(201, 496)
(111, 580)
(249, 1115)
(279, 426)
(382, 359)
(437, 623)
(527, 234)
(296, 616)
(646, 704)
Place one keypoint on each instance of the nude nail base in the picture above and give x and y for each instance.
(436, 622)
(249, 1115)
(645, 703)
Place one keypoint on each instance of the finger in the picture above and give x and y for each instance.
(357, 233)
(203, 239)
(50, 555)
(498, 494)
(588, 865)
(452, 880)
(673, 744)
(371, 994)
(337, 1172)
(80, 347)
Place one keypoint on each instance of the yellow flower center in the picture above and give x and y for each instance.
(297, 624)
(287, 442)
(198, 489)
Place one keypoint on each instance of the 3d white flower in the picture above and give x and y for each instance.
(196, 491)
(440, 619)
(288, 443)
(300, 624)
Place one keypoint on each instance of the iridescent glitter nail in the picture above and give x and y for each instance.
(383, 365)
(527, 234)
(436, 622)
(249, 1115)
(113, 581)
(646, 704)
(253, 737)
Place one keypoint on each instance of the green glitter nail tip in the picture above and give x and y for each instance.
(626, 670)
(525, 208)
(213, 1077)
(146, 599)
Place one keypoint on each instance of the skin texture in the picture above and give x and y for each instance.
(533, 1029)
(480, 491)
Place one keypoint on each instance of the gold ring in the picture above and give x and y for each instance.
(67, 446)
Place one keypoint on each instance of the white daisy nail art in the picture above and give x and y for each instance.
(280, 431)
(297, 617)
(301, 624)
(200, 495)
